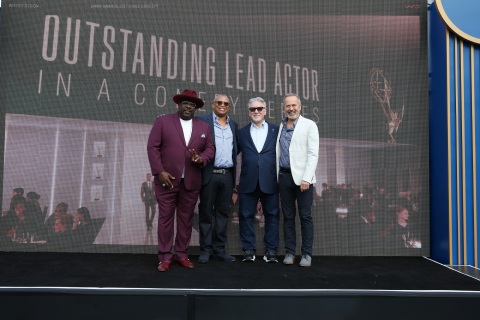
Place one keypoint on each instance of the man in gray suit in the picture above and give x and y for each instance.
(147, 193)
(297, 157)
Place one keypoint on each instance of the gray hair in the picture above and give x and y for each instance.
(293, 95)
(264, 104)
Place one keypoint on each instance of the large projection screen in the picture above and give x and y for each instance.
(82, 82)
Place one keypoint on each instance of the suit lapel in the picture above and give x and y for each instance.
(178, 127)
(270, 136)
(280, 130)
(297, 128)
(212, 127)
(249, 135)
(194, 131)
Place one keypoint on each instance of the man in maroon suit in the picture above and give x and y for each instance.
(178, 147)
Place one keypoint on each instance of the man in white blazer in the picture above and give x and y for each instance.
(297, 157)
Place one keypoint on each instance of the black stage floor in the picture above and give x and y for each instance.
(333, 288)
(139, 271)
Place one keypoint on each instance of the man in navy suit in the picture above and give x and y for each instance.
(258, 181)
(178, 147)
(218, 181)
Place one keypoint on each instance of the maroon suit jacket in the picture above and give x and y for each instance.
(168, 152)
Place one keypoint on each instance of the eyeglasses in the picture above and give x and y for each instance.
(188, 103)
(219, 103)
(258, 109)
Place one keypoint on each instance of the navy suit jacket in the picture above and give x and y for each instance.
(207, 170)
(258, 167)
(168, 152)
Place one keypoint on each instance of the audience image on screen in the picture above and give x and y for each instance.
(26, 222)
(365, 220)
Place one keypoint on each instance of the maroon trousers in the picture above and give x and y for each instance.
(182, 201)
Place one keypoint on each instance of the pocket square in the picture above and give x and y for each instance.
(203, 135)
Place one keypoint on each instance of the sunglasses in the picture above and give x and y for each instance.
(188, 103)
(219, 103)
(258, 109)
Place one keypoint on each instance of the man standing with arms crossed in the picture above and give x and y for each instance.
(218, 181)
(297, 157)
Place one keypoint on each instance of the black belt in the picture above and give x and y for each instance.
(222, 170)
(285, 170)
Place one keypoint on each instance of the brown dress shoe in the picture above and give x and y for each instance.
(164, 265)
(184, 262)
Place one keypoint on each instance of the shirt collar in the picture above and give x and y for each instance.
(284, 121)
(262, 126)
(215, 118)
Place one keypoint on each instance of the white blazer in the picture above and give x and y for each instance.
(303, 151)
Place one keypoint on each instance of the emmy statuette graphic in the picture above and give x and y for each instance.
(382, 92)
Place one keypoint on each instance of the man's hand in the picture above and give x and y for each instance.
(165, 179)
(195, 157)
(304, 185)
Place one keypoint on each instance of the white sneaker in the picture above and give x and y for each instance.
(289, 259)
(306, 261)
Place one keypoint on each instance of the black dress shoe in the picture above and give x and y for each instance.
(225, 257)
(204, 257)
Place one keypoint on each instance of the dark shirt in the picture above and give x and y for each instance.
(285, 140)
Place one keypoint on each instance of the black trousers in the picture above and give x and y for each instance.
(149, 213)
(214, 211)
